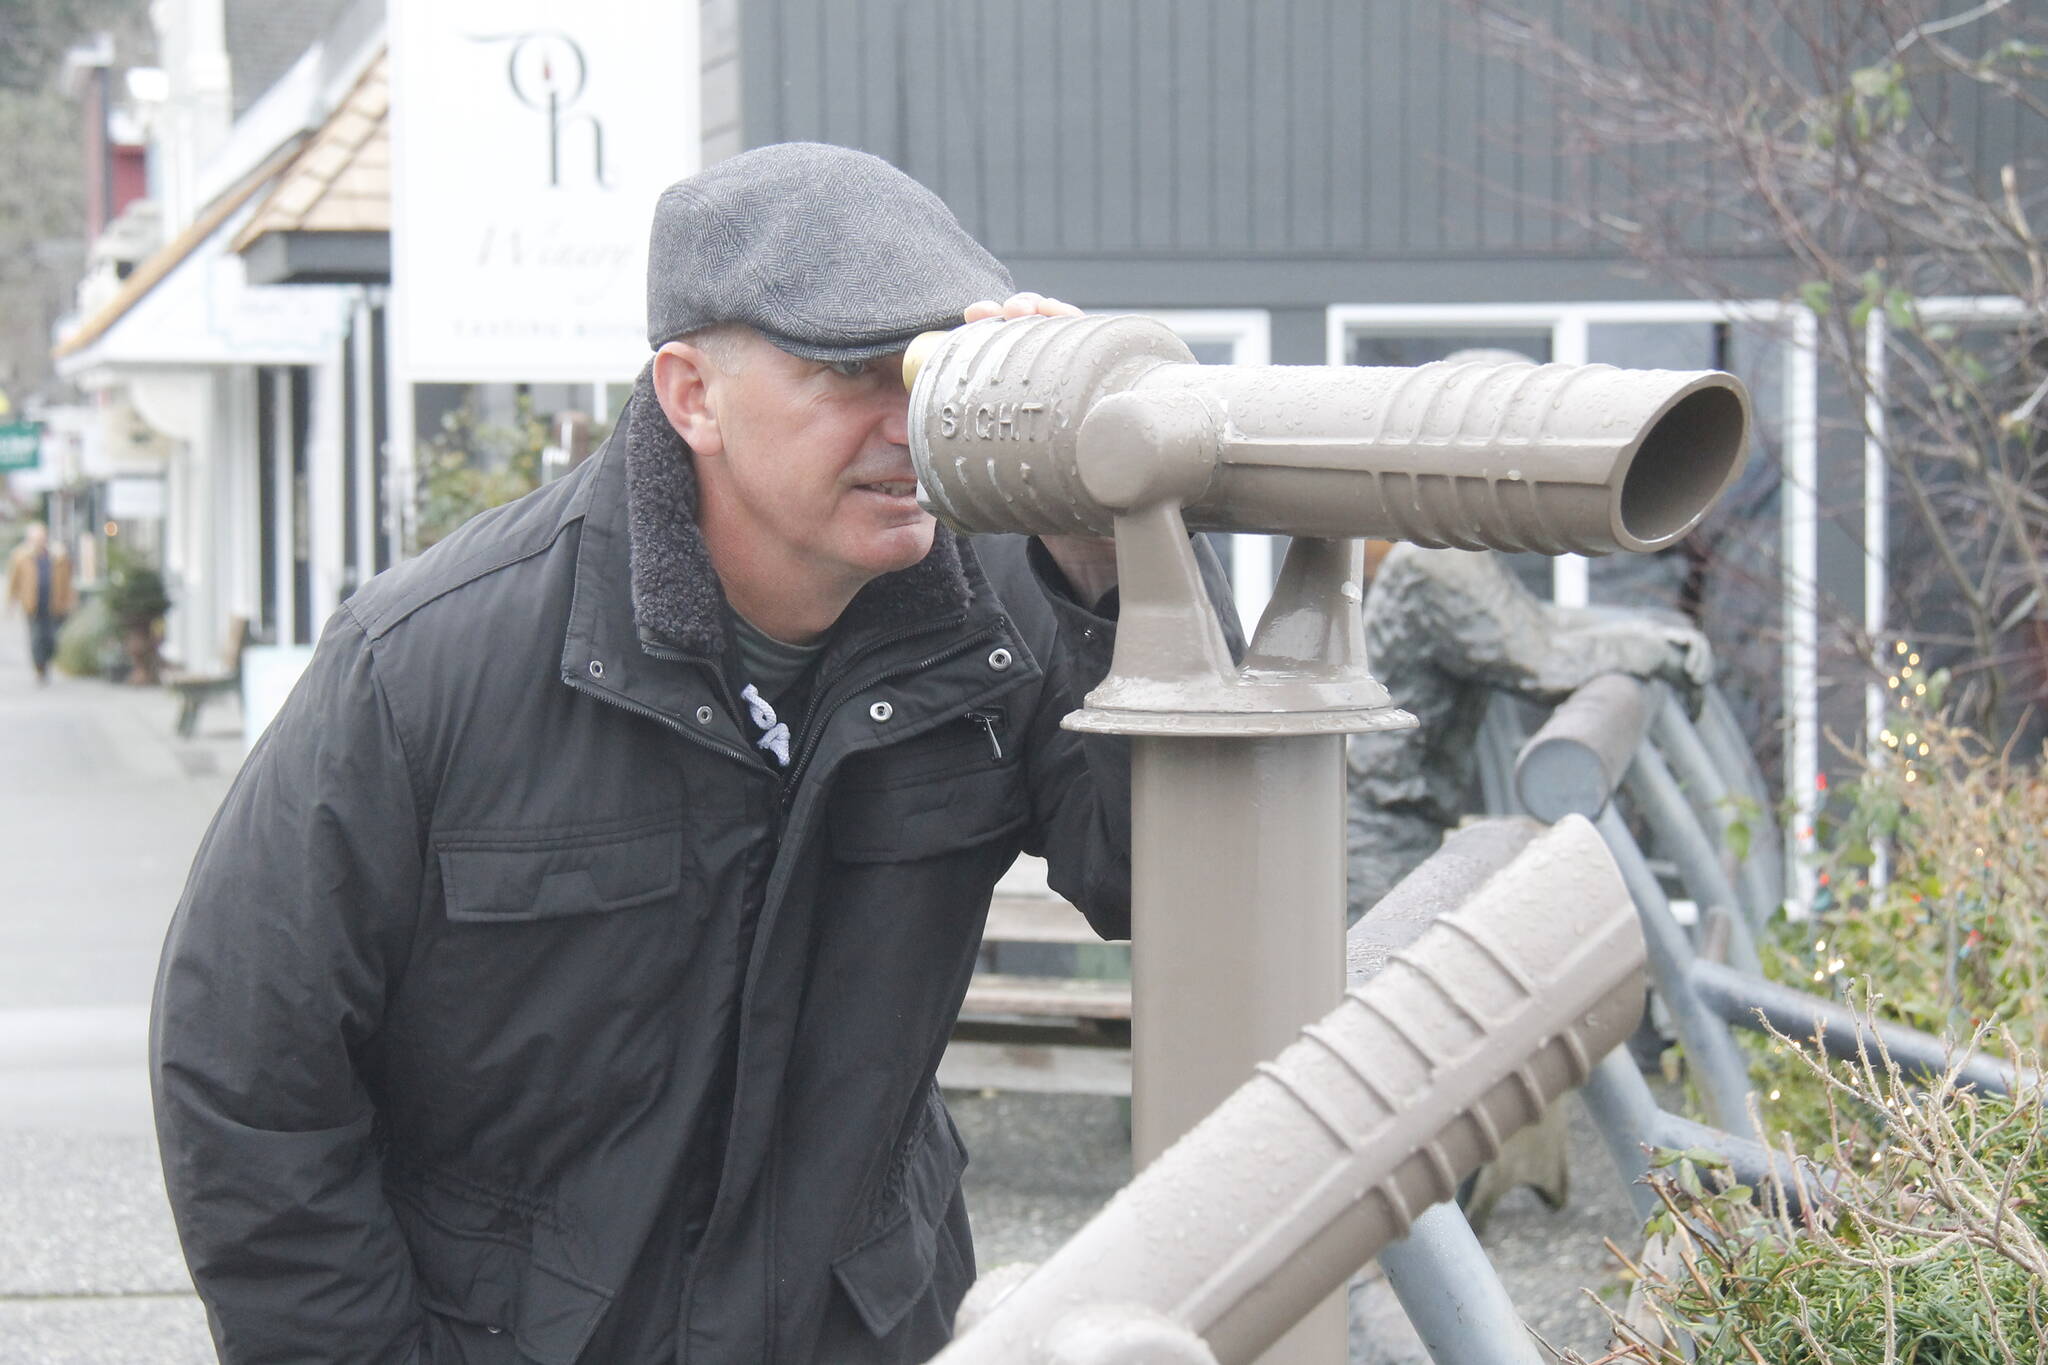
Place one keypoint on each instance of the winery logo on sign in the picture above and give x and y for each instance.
(548, 74)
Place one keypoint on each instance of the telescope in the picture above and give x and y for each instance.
(1106, 426)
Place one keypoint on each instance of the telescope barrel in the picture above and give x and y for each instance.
(1057, 425)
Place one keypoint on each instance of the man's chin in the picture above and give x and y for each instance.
(899, 547)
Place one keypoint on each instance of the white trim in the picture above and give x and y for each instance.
(1970, 308)
(1439, 317)
(1876, 532)
(1248, 330)
(1799, 525)
(1571, 581)
(284, 514)
(326, 475)
(361, 459)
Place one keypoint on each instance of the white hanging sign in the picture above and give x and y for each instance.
(529, 143)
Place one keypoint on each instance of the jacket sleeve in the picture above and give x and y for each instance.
(1081, 783)
(296, 916)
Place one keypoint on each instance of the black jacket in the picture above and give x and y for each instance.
(518, 1010)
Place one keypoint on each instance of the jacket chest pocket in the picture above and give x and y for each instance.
(548, 950)
(956, 788)
(510, 881)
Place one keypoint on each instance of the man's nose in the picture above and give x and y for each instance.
(895, 423)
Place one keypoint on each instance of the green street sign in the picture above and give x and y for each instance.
(21, 445)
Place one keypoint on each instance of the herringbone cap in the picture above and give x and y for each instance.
(830, 253)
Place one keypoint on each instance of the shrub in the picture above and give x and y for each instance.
(1955, 934)
(134, 594)
(85, 639)
(1931, 1251)
(472, 465)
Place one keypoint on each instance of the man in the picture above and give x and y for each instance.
(39, 586)
(565, 975)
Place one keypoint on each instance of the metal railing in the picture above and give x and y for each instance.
(1614, 737)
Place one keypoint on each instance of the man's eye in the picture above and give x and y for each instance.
(848, 369)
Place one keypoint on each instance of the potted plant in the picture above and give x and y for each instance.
(136, 599)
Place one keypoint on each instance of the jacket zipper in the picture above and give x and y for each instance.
(990, 723)
(811, 733)
(664, 718)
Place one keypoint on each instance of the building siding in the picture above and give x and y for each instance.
(1189, 129)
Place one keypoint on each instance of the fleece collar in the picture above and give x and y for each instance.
(677, 599)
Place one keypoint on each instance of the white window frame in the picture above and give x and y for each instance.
(1569, 324)
(1249, 333)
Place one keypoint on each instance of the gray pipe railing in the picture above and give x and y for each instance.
(1333, 1149)
(1716, 804)
(1632, 1123)
(1561, 772)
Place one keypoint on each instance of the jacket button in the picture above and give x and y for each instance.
(999, 659)
(881, 711)
(597, 668)
(704, 715)
(494, 1331)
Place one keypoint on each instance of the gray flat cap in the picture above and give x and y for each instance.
(830, 253)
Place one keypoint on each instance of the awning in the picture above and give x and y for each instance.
(191, 303)
(327, 219)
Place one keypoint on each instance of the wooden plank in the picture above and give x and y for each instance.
(1055, 997)
(1036, 919)
(1036, 1069)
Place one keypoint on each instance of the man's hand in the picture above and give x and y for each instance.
(1025, 305)
(1088, 562)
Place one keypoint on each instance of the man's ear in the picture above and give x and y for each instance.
(683, 377)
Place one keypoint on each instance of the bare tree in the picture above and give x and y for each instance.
(42, 169)
(1866, 157)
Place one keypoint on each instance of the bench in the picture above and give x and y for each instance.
(1036, 1031)
(196, 689)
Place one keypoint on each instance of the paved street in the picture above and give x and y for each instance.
(100, 809)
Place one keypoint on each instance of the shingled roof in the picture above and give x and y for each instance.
(341, 180)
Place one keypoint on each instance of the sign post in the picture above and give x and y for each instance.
(21, 445)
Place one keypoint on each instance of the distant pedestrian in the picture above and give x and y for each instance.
(39, 583)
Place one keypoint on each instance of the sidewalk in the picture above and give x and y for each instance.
(101, 807)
